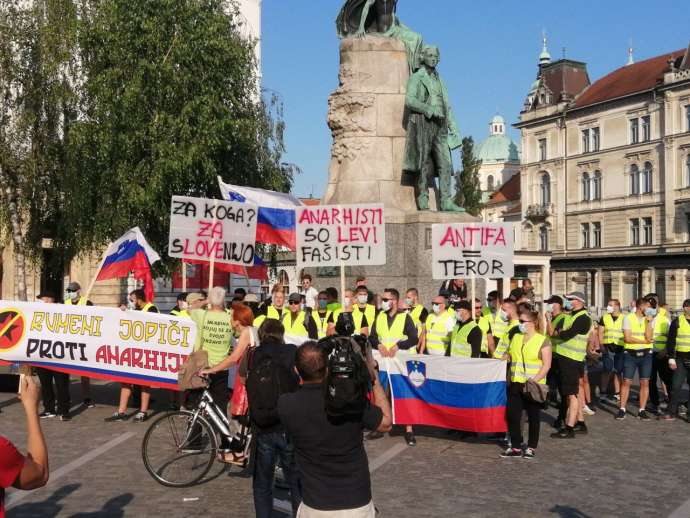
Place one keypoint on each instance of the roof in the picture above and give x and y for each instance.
(310, 201)
(509, 191)
(498, 148)
(628, 80)
(565, 76)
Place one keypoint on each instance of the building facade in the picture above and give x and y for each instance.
(605, 177)
(500, 158)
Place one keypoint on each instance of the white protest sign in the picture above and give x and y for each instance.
(107, 343)
(202, 230)
(472, 251)
(331, 235)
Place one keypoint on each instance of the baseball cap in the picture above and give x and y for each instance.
(251, 297)
(46, 294)
(295, 297)
(194, 297)
(463, 304)
(73, 286)
(555, 299)
(576, 295)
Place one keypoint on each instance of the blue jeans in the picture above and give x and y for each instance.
(632, 363)
(271, 448)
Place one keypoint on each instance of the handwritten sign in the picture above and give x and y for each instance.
(106, 343)
(202, 229)
(341, 234)
(475, 250)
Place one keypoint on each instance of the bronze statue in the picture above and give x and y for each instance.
(431, 132)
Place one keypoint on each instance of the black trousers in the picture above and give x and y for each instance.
(61, 380)
(660, 369)
(517, 403)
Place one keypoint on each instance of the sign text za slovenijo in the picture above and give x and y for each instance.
(205, 230)
(472, 250)
(341, 235)
(107, 343)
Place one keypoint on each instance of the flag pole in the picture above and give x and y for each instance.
(342, 282)
(213, 243)
(184, 276)
(100, 266)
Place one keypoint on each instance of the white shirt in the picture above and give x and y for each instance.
(310, 296)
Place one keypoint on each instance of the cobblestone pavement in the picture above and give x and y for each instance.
(629, 468)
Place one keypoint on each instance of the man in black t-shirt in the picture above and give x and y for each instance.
(330, 453)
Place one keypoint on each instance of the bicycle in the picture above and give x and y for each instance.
(179, 448)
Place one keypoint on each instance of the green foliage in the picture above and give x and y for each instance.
(469, 193)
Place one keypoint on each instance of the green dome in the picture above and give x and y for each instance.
(498, 148)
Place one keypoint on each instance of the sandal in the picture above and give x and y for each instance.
(223, 458)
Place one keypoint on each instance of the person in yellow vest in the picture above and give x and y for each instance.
(137, 301)
(571, 351)
(394, 333)
(555, 319)
(439, 325)
(323, 317)
(419, 314)
(181, 306)
(660, 368)
(611, 339)
(363, 313)
(638, 333)
(529, 355)
(509, 322)
(299, 324)
(466, 338)
(275, 309)
(73, 297)
(493, 305)
(484, 322)
(678, 349)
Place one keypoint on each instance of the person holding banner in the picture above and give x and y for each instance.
(466, 338)
(394, 333)
(73, 297)
(529, 355)
(439, 325)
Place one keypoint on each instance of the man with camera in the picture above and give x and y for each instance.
(326, 426)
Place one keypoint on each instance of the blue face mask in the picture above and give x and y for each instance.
(568, 305)
(323, 304)
(650, 312)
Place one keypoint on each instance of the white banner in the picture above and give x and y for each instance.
(201, 229)
(331, 235)
(128, 346)
(472, 250)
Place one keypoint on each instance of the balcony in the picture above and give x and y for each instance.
(539, 212)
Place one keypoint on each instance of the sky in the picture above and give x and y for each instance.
(489, 54)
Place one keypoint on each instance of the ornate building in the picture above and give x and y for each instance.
(605, 177)
(500, 158)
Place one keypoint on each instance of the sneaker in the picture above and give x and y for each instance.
(116, 417)
(511, 453)
(140, 417)
(682, 410)
(88, 403)
(621, 414)
(410, 439)
(667, 417)
(528, 453)
(616, 397)
(643, 415)
(580, 427)
(65, 417)
(374, 435)
(46, 415)
(564, 433)
(588, 411)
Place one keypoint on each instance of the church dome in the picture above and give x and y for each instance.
(498, 148)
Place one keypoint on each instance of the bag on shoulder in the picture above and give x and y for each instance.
(537, 392)
(347, 380)
(187, 376)
(267, 380)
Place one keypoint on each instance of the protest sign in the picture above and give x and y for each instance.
(212, 230)
(341, 235)
(472, 251)
(107, 343)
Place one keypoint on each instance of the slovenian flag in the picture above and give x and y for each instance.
(276, 218)
(130, 253)
(452, 393)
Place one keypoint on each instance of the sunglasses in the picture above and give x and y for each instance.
(294, 303)
(477, 307)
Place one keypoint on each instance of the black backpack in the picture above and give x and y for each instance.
(267, 380)
(348, 381)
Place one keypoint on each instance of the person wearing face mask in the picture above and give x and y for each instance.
(638, 333)
(678, 350)
(570, 357)
(394, 333)
(484, 323)
(529, 355)
(333, 302)
(555, 320)
(439, 325)
(509, 317)
(363, 313)
(298, 323)
(275, 309)
(73, 297)
(612, 342)
(466, 338)
(325, 324)
(181, 306)
(660, 368)
(417, 311)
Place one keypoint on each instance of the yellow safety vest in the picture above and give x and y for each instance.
(182, 314)
(557, 320)
(683, 336)
(148, 306)
(637, 330)
(437, 333)
(322, 322)
(503, 342)
(613, 330)
(271, 312)
(296, 327)
(576, 347)
(82, 302)
(524, 358)
(416, 314)
(498, 325)
(459, 344)
(389, 337)
(661, 326)
(485, 325)
(357, 314)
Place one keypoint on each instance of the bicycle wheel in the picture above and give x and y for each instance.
(176, 455)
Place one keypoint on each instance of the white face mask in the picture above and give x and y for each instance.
(522, 328)
(347, 301)
(131, 305)
(548, 308)
(74, 295)
(183, 305)
(503, 315)
(386, 305)
(610, 309)
(362, 299)
(436, 308)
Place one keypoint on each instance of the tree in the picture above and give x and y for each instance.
(171, 101)
(37, 106)
(469, 194)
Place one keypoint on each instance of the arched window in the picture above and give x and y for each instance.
(596, 186)
(543, 238)
(646, 184)
(634, 180)
(586, 191)
(490, 183)
(284, 280)
(545, 189)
